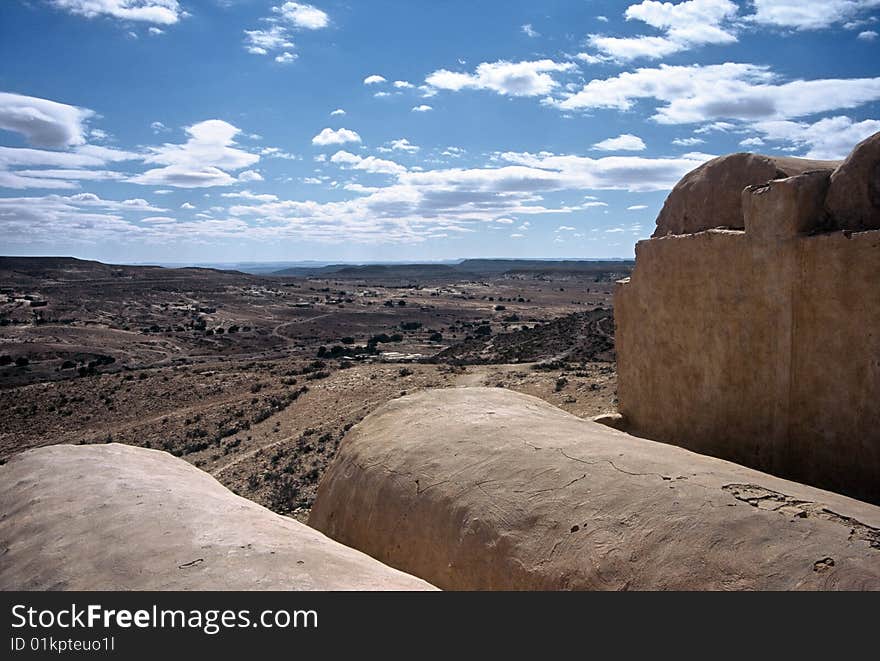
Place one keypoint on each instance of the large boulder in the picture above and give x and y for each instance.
(484, 488)
(710, 195)
(853, 199)
(114, 517)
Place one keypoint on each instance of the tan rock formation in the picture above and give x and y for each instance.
(762, 346)
(484, 488)
(853, 200)
(709, 196)
(115, 517)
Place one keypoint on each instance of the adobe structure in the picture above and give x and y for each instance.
(759, 341)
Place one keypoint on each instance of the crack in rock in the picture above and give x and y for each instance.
(774, 501)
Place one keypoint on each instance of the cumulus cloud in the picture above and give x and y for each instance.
(623, 142)
(260, 42)
(529, 31)
(800, 15)
(285, 58)
(162, 12)
(831, 138)
(507, 78)
(303, 16)
(867, 35)
(367, 164)
(204, 160)
(250, 175)
(329, 136)
(684, 25)
(404, 145)
(737, 91)
(374, 79)
(338, 111)
(43, 123)
(422, 108)
(276, 37)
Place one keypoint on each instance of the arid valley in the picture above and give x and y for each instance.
(255, 379)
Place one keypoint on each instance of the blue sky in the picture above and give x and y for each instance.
(253, 130)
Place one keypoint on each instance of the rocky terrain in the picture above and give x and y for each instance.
(256, 379)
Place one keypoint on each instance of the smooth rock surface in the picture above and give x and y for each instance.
(115, 517)
(853, 200)
(710, 196)
(484, 488)
(761, 350)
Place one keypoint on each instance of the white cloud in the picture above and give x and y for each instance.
(688, 142)
(403, 84)
(303, 16)
(200, 162)
(260, 42)
(698, 93)
(250, 175)
(566, 228)
(163, 12)
(404, 145)
(155, 32)
(338, 137)
(276, 152)
(507, 78)
(374, 79)
(529, 31)
(338, 111)
(422, 108)
(831, 138)
(504, 221)
(685, 25)
(248, 195)
(187, 205)
(867, 35)
(367, 164)
(623, 142)
(808, 15)
(43, 123)
(285, 58)
(637, 207)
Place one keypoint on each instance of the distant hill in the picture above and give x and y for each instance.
(465, 268)
(71, 268)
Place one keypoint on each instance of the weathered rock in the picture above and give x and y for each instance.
(784, 208)
(613, 420)
(710, 195)
(114, 517)
(759, 347)
(484, 488)
(853, 200)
